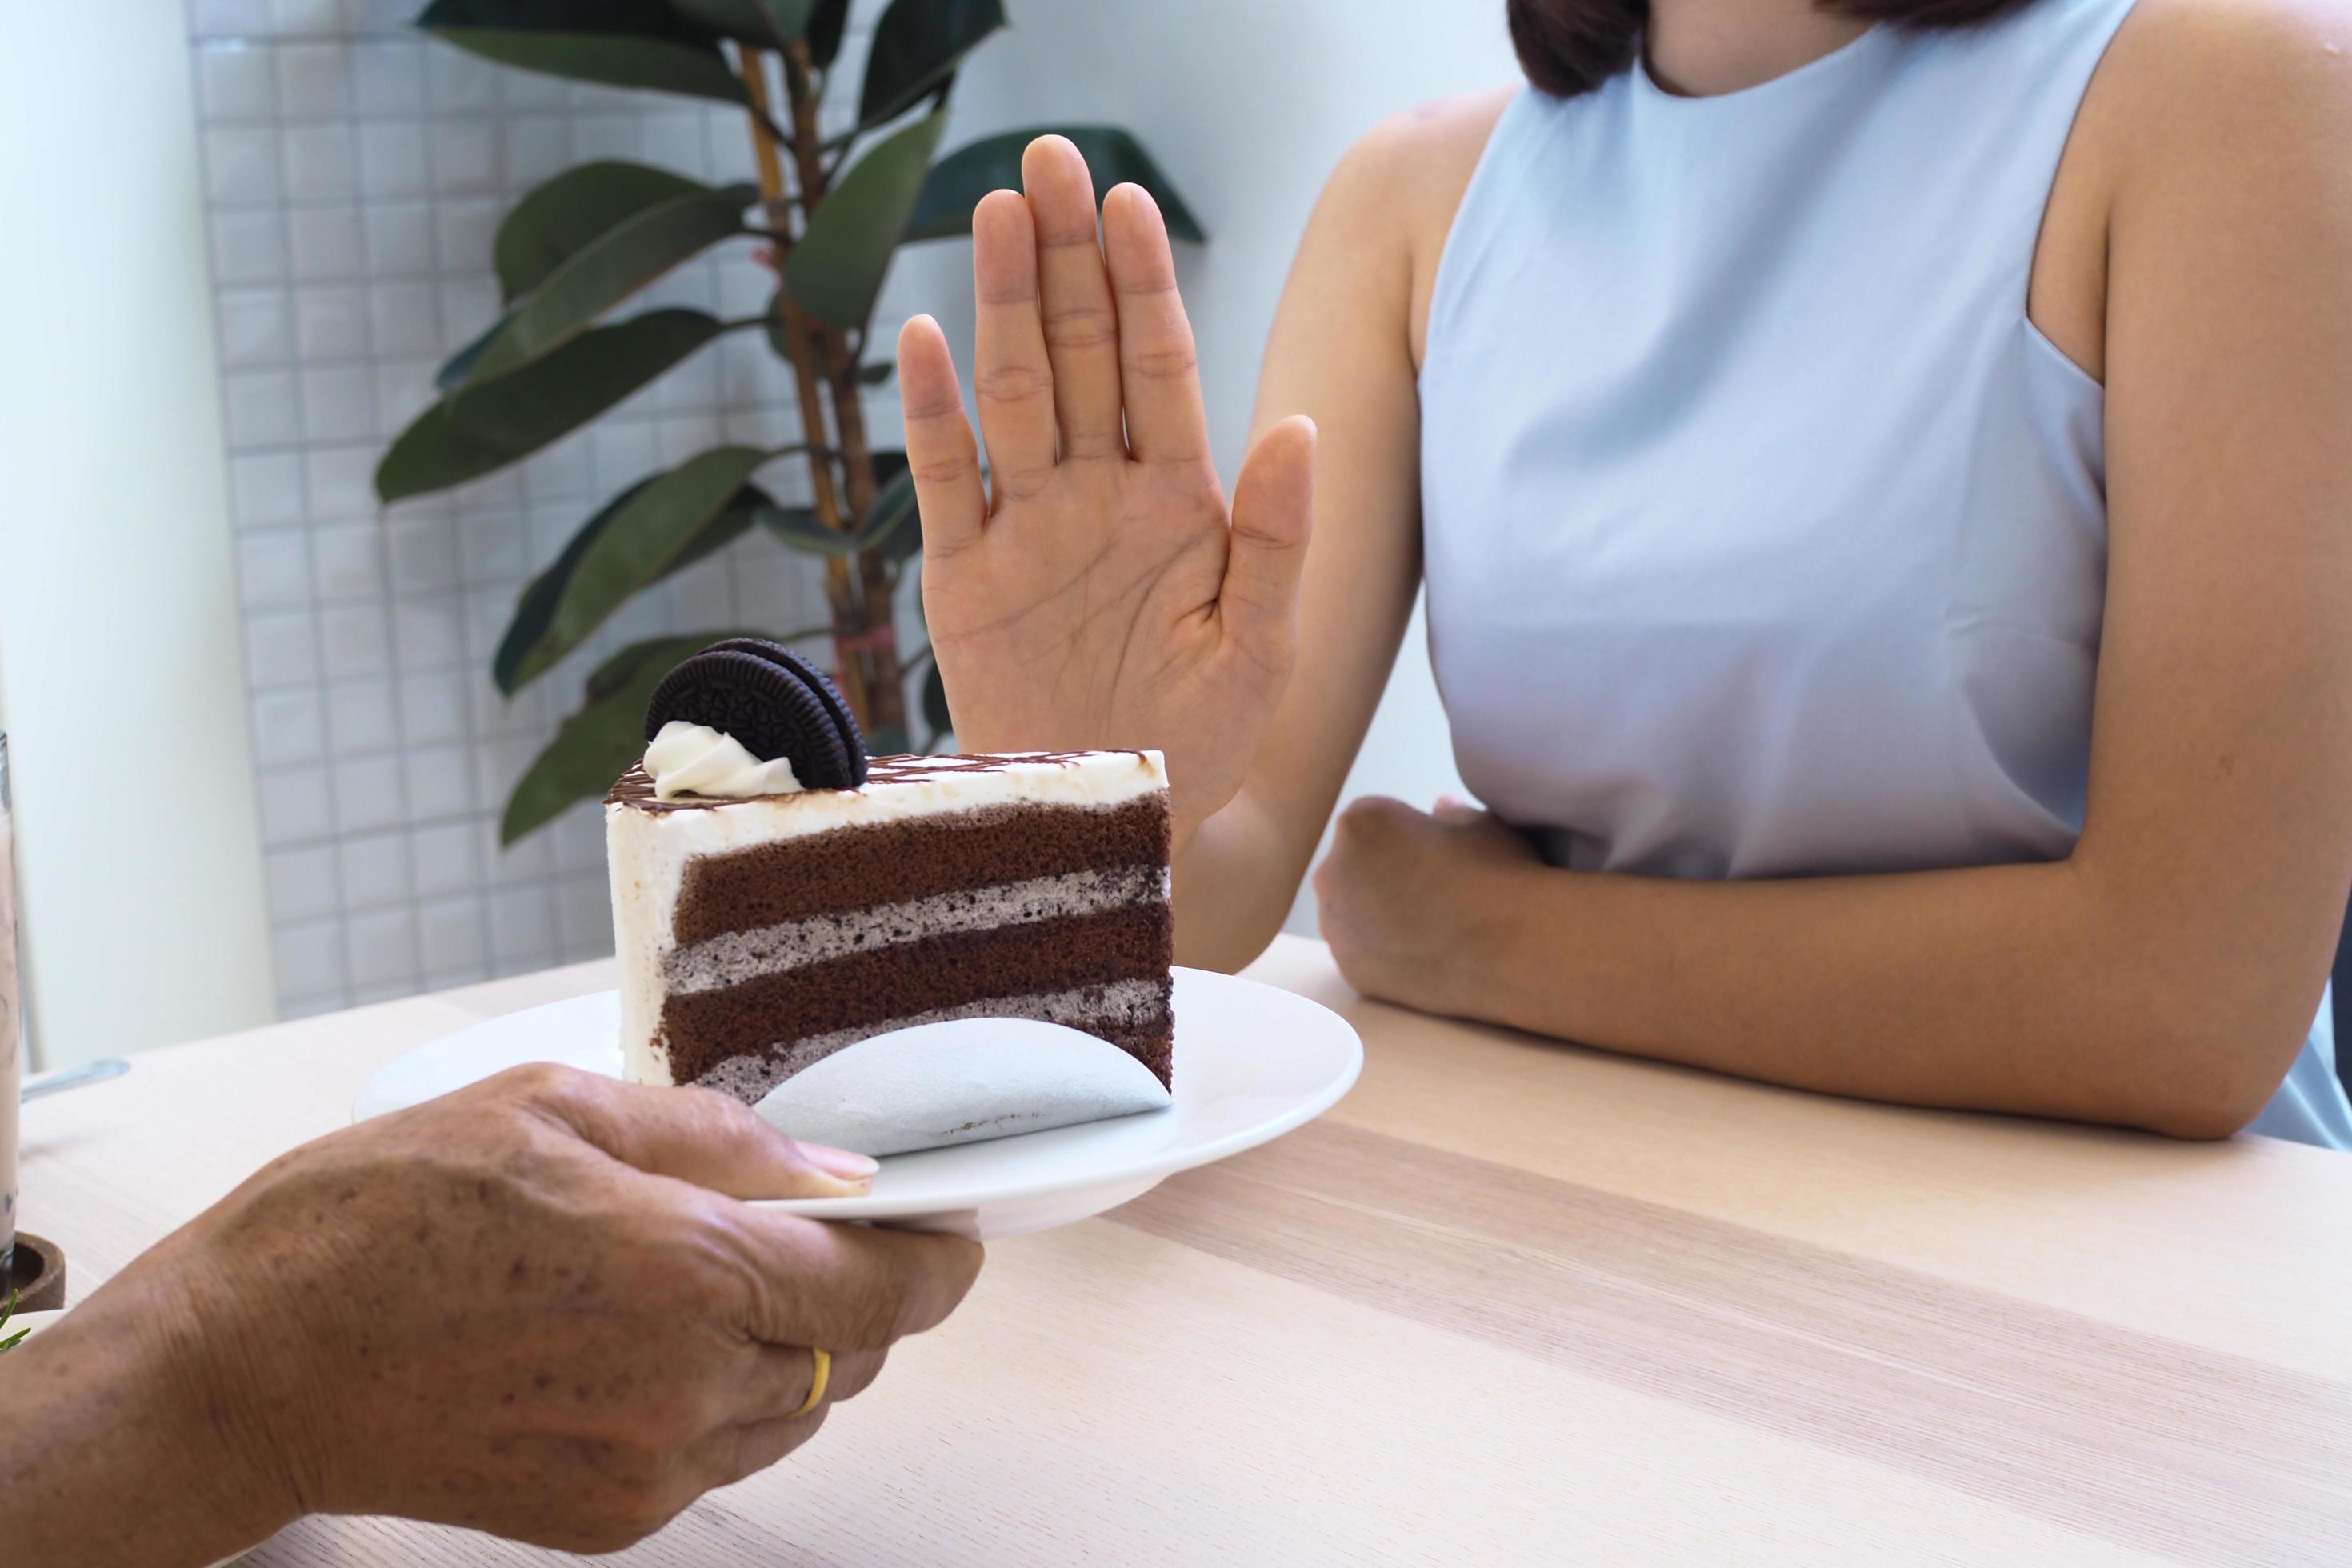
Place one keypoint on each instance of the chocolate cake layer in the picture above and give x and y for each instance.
(896, 862)
(1001, 964)
(735, 956)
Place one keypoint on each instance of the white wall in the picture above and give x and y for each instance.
(1246, 104)
(138, 861)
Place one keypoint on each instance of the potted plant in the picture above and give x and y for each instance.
(830, 212)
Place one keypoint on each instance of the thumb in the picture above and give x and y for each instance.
(695, 1135)
(1273, 508)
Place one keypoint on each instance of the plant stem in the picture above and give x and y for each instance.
(886, 700)
(840, 588)
(886, 685)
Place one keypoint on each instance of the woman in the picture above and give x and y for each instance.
(1803, 421)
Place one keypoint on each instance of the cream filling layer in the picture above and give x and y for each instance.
(733, 957)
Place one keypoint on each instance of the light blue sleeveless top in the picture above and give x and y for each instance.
(1764, 535)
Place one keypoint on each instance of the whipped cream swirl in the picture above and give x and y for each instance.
(695, 759)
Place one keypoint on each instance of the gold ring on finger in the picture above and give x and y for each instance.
(818, 1376)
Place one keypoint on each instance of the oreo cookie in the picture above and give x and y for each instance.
(775, 703)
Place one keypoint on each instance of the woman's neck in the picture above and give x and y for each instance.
(1701, 47)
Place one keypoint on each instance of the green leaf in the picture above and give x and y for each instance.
(489, 424)
(536, 606)
(593, 748)
(550, 226)
(641, 537)
(935, 702)
(613, 60)
(733, 521)
(903, 543)
(634, 16)
(772, 325)
(798, 528)
(610, 268)
(537, 402)
(622, 43)
(826, 25)
(903, 546)
(838, 268)
(763, 24)
(916, 46)
(431, 455)
(893, 505)
(454, 371)
(664, 653)
(957, 181)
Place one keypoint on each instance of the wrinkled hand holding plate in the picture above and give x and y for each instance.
(1252, 1063)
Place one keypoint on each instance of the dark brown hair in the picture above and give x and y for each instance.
(1571, 46)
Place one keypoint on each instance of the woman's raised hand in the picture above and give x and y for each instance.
(1097, 592)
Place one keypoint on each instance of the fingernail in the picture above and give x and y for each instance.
(841, 1162)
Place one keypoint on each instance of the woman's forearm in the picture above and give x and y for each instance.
(1236, 879)
(2017, 988)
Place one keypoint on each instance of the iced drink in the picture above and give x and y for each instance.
(12, 1066)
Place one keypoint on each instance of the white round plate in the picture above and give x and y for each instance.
(1252, 1062)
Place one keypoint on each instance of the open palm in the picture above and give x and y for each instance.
(1097, 592)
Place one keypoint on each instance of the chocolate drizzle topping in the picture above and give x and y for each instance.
(636, 787)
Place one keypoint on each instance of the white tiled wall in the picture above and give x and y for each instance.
(355, 174)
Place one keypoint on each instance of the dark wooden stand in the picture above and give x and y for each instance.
(40, 1276)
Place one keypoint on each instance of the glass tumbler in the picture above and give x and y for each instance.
(12, 1045)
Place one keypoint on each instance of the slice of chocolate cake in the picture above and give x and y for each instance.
(760, 931)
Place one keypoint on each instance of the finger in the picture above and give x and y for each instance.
(1159, 374)
(1011, 375)
(1273, 506)
(775, 1381)
(695, 1135)
(847, 1287)
(1073, 293)
(941, 452)
(1454, 808)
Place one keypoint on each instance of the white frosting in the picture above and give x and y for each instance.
(648, 851)
(695, 759)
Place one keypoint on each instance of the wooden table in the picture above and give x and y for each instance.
(1510, 1301)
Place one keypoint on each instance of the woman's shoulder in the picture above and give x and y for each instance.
(2203, 116)
(2183, 74)
(1412, 167)
(1396, 190)
(1433, 142)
